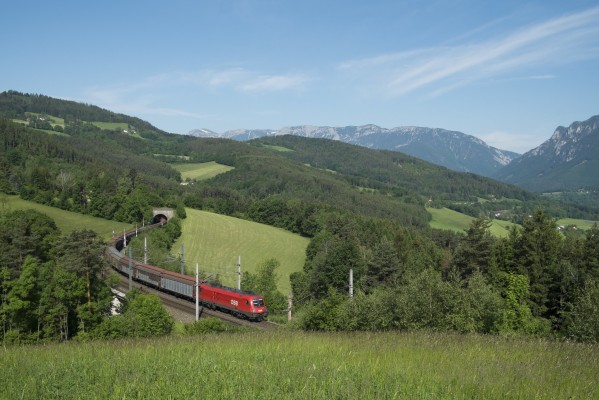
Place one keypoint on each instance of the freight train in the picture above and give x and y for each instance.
(242, 304)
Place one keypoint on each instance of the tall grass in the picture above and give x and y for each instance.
(285, 365)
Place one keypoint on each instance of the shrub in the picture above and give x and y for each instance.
(207, 325)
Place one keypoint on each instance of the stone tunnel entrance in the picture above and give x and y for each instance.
(162, 215)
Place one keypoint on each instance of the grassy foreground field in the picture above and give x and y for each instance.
(292, 365)
(215, 242)
(65, 220)
(445, 218)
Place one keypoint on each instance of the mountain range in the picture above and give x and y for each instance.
(454, 150)
(568, 161)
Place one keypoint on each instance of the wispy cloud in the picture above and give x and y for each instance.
(247, 81)
(268, 83)
(569, 38)
(144, 95)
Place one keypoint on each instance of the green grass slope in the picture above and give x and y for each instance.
(215, 241)
(65, 220)
(444, 218)
(579, 223)
(201, 171)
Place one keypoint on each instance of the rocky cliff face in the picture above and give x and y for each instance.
(569, 160)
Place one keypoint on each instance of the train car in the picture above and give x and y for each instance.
(239, 303)
(178, 284)
(147, 274)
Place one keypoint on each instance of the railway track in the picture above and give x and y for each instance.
(184, 310)
(176, 290)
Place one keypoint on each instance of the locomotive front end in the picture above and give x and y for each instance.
(259, 310)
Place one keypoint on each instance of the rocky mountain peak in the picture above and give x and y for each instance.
(452, 149)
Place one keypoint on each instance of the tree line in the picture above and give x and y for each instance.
(535, 281)
(56, 287)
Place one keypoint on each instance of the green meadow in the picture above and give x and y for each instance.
(277, 148)
(296, 365)
(445, 218)
(66, 221)
(579, 223)
(111, 126)
(54, 121)
(201, 171)
(216, 241)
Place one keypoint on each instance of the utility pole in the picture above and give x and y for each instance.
(351, 282)
(124, 239)
(145, 250)
(197, 292)
(130, 269)
(239, 272)
(182, 258)
(289, 305)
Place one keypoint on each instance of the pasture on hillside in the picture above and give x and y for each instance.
(579, 223)
(216, 241)
(201, 171)
(300, 365)
(66, 221)
(444, 218)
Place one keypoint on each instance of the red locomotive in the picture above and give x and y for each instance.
(239, 303)
(242, 304)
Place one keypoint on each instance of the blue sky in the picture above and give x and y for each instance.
(508, 72)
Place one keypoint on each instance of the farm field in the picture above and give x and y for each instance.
(295, 365)
(54, 121)
(580, 223)
(110, 126)
(201, 171)
(66, 221)
(277, 148)
(445, 218)
(215, 241)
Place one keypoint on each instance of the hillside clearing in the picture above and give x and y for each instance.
(201, 171)
(579, 223)
(66, 221)
(277, 148)
(444, 218)
(215, 241)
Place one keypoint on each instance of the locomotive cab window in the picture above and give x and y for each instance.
(247, 302)
(258, 302)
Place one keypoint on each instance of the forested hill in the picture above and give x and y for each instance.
(107, 156)
(415, 180)
(389, 170)
(17, 105)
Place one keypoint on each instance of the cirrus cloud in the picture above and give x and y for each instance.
(436, 70)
